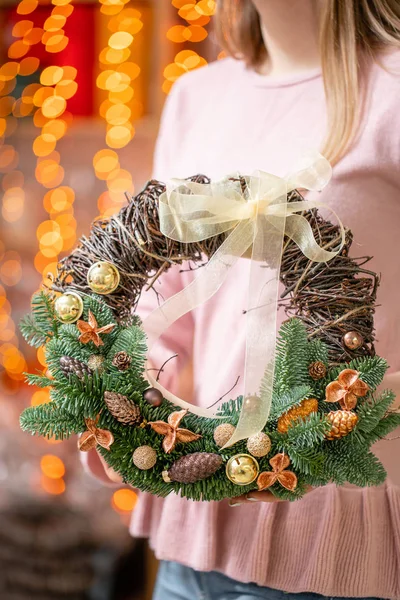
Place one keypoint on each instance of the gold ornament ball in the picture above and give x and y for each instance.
(242, 469)
(96, 363)
(353, 340)
(223, 433)
(68, 307)
(144, 457)
(103, 278)
(259, 444)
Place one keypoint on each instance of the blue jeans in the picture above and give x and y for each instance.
(177, 582)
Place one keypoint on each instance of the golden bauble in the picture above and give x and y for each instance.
(223, 433)
(242, 469)
(144, 457)
(103, 278)
(96, 363)
(259, 444)
(353, 340)
(68, 307)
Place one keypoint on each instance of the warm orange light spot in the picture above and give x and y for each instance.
(55, 22)
(57, 43)
(22, 28)
(206, 7)
(66, 89)
(26, 7)
(120, 181)
(70, 73)
(197, 33)
(53, 486)
(118, 114)
(180, 3)
(45, 227)
(3, 126)
(166, 86)
(49, 174)
(28, 66)
(104, 162)
(13, 204)
(122, 96)
(13, 361)
(30, 90)
(53, 157)
(8, 158)
(172, 72)
(51, 75)
(18, 49)
(120, 40)
(60, 2)
(221, 55)
(11, 125)
(41, 147)
(113, 80)
(111, 10)
(109, 56)
(52, 466)
(124, 500)
(189, 59)
(11, 272)
(34, 36)
(54, 130)
(42, 360)
(40, 397)
(119, 136)
(132, 70)
(6, 87)
(41, 95)
(6, 105)
(9, 70)
(126, 23)
(22, 108)
(15, 179)
(51, 245)
(65, 10)
(54, 106)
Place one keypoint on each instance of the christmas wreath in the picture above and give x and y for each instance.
(322, 412)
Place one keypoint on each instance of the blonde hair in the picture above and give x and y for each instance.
(351, 33)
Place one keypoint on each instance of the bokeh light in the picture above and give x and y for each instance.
(124, 500)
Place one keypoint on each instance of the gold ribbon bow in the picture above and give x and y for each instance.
(258, 219)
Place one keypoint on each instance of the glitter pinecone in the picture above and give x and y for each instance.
(73, 366)
(193, 467)
(289, 418)
(122, 408)
(343, 422)
(122, 361)
(317, 370)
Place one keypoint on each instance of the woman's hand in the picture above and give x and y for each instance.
(111, 474)
(264, 496)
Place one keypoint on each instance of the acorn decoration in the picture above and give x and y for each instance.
(68, 307)
(122, 361)
(317, 370)
(193, 467)
(144, 458)
(103, 278)
(223, 433)
(259, 444)
(297, 413)
(73, 366)
(122, 408)
(343, 422)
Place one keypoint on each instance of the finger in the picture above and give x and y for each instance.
(111, 474)
(253, 497)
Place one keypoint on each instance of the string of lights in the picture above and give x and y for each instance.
(197, 15)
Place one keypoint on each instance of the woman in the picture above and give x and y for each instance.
(304, 74)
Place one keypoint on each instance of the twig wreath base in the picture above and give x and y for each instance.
(326, 413)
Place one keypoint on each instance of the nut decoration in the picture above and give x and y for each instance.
(93, 436)
(90, 332)
(346, 389)
(171, 431)
(279, 464)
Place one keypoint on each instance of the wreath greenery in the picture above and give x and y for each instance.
(326, 412)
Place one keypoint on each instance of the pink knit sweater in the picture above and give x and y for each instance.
(336, 541)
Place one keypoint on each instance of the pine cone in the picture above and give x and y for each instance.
(289, 418)
(193, 467)
(317, 370)
(122, 408)
(343, 422)
(73, 366)
(122, 361)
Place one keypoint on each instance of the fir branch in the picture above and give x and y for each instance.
(291, 366)
(308, 432)
(384, 427)
(372, 370)
(288, 399)
(372, 411)
(133, 341)
(39, 380)
(32, 333)
(50, 421)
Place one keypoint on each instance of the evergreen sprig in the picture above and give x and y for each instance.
(314, 459)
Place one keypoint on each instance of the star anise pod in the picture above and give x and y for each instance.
(172, 432)
(90, 332)
(93, 436)
(346, 389)
(279, 464)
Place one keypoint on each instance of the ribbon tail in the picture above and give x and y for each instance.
(203, 287)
